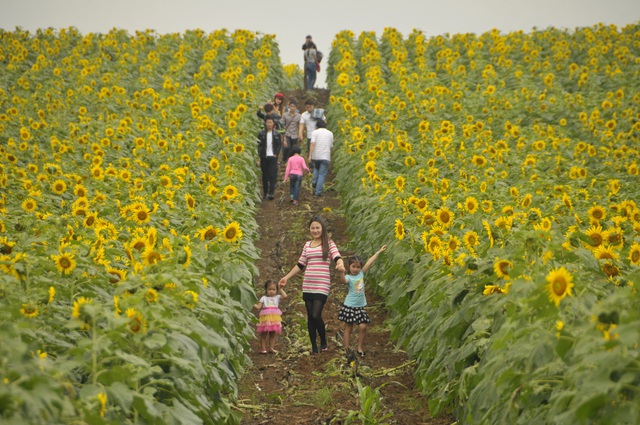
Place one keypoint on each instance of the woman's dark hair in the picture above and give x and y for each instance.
(295, 149)
(324, 236)
(269, 283)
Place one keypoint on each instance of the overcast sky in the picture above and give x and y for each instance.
(291, 21)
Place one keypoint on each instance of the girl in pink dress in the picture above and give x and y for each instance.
(270, 315)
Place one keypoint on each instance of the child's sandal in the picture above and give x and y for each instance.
(361, 353)
(263, 352)
(272, 351)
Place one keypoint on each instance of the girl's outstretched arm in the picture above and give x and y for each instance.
(372, 259)
(257, 306)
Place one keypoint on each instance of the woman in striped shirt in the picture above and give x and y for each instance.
(315, 260)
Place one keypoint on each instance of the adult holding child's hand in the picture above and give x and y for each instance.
(315, 260)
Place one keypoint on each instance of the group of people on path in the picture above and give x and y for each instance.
(284, 130)
(315, 261)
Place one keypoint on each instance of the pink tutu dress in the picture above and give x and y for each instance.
(270, 315)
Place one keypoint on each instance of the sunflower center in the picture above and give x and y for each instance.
(559, 286)
(596, 239)
(210, 234)
(635, 256)
(65, 263)
(231, 233)
(142, 215)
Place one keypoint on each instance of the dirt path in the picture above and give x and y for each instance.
(294, 387)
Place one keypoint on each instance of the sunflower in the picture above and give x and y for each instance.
(421, 204)
(428, 218)
(78, 311)
(230, 191)
(52, 294)
(492, 289)
(116, 275)
(400, 182)
(471, 205)
(190, 299)
(479, 161)
(605, 252)
(90, 219)
(139, 243)
(59, 187)
(596, 236)
(597, 213)
(141, 215)
(434, 246)
(610, 269)
(151, 256)
(187, 258)
(29, 310)
(29, 205)
(232, 232)
(238, 148)
(487, 206)
(560, 284)
(526, 201)
(151, 296)
(64, 262)
(137, 324)
(634, 254)
(214, 164)
(470, 239)
(191, 202)
(445, 216)
(453, 243)
(208, 233)
(399, 230)
(501, 268)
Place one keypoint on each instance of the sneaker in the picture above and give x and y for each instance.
(270, 196)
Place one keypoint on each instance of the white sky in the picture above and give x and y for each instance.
(291, 21)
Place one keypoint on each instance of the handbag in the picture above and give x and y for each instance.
(317, 67)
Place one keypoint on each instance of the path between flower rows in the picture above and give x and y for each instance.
(294, 387)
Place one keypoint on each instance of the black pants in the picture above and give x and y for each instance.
(269, 167)
(286, 152)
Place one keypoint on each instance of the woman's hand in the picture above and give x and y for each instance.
(340, 266)
(283, 282)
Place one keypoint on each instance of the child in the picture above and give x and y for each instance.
(352, 311)
(295, 167)
(270, 315)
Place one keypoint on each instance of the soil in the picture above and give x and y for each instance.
(294, 386)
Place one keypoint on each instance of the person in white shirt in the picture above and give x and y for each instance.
(320, 155)
(307, 122)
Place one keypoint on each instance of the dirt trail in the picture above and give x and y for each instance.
(293, 386)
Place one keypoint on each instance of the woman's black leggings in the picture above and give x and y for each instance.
(315, 323)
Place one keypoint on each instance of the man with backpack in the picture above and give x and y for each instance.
(290, 121)
(308, 121)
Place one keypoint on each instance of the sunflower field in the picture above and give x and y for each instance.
(128, 189)
(503, 171)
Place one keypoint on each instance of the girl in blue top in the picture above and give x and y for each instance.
(352, 310)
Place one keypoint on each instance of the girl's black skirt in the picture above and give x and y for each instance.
(355, 315)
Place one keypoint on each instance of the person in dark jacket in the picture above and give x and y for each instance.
(269, 146)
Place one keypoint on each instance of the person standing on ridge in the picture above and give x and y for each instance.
(310, 64)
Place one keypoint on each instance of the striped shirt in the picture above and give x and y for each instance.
(317, 272)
